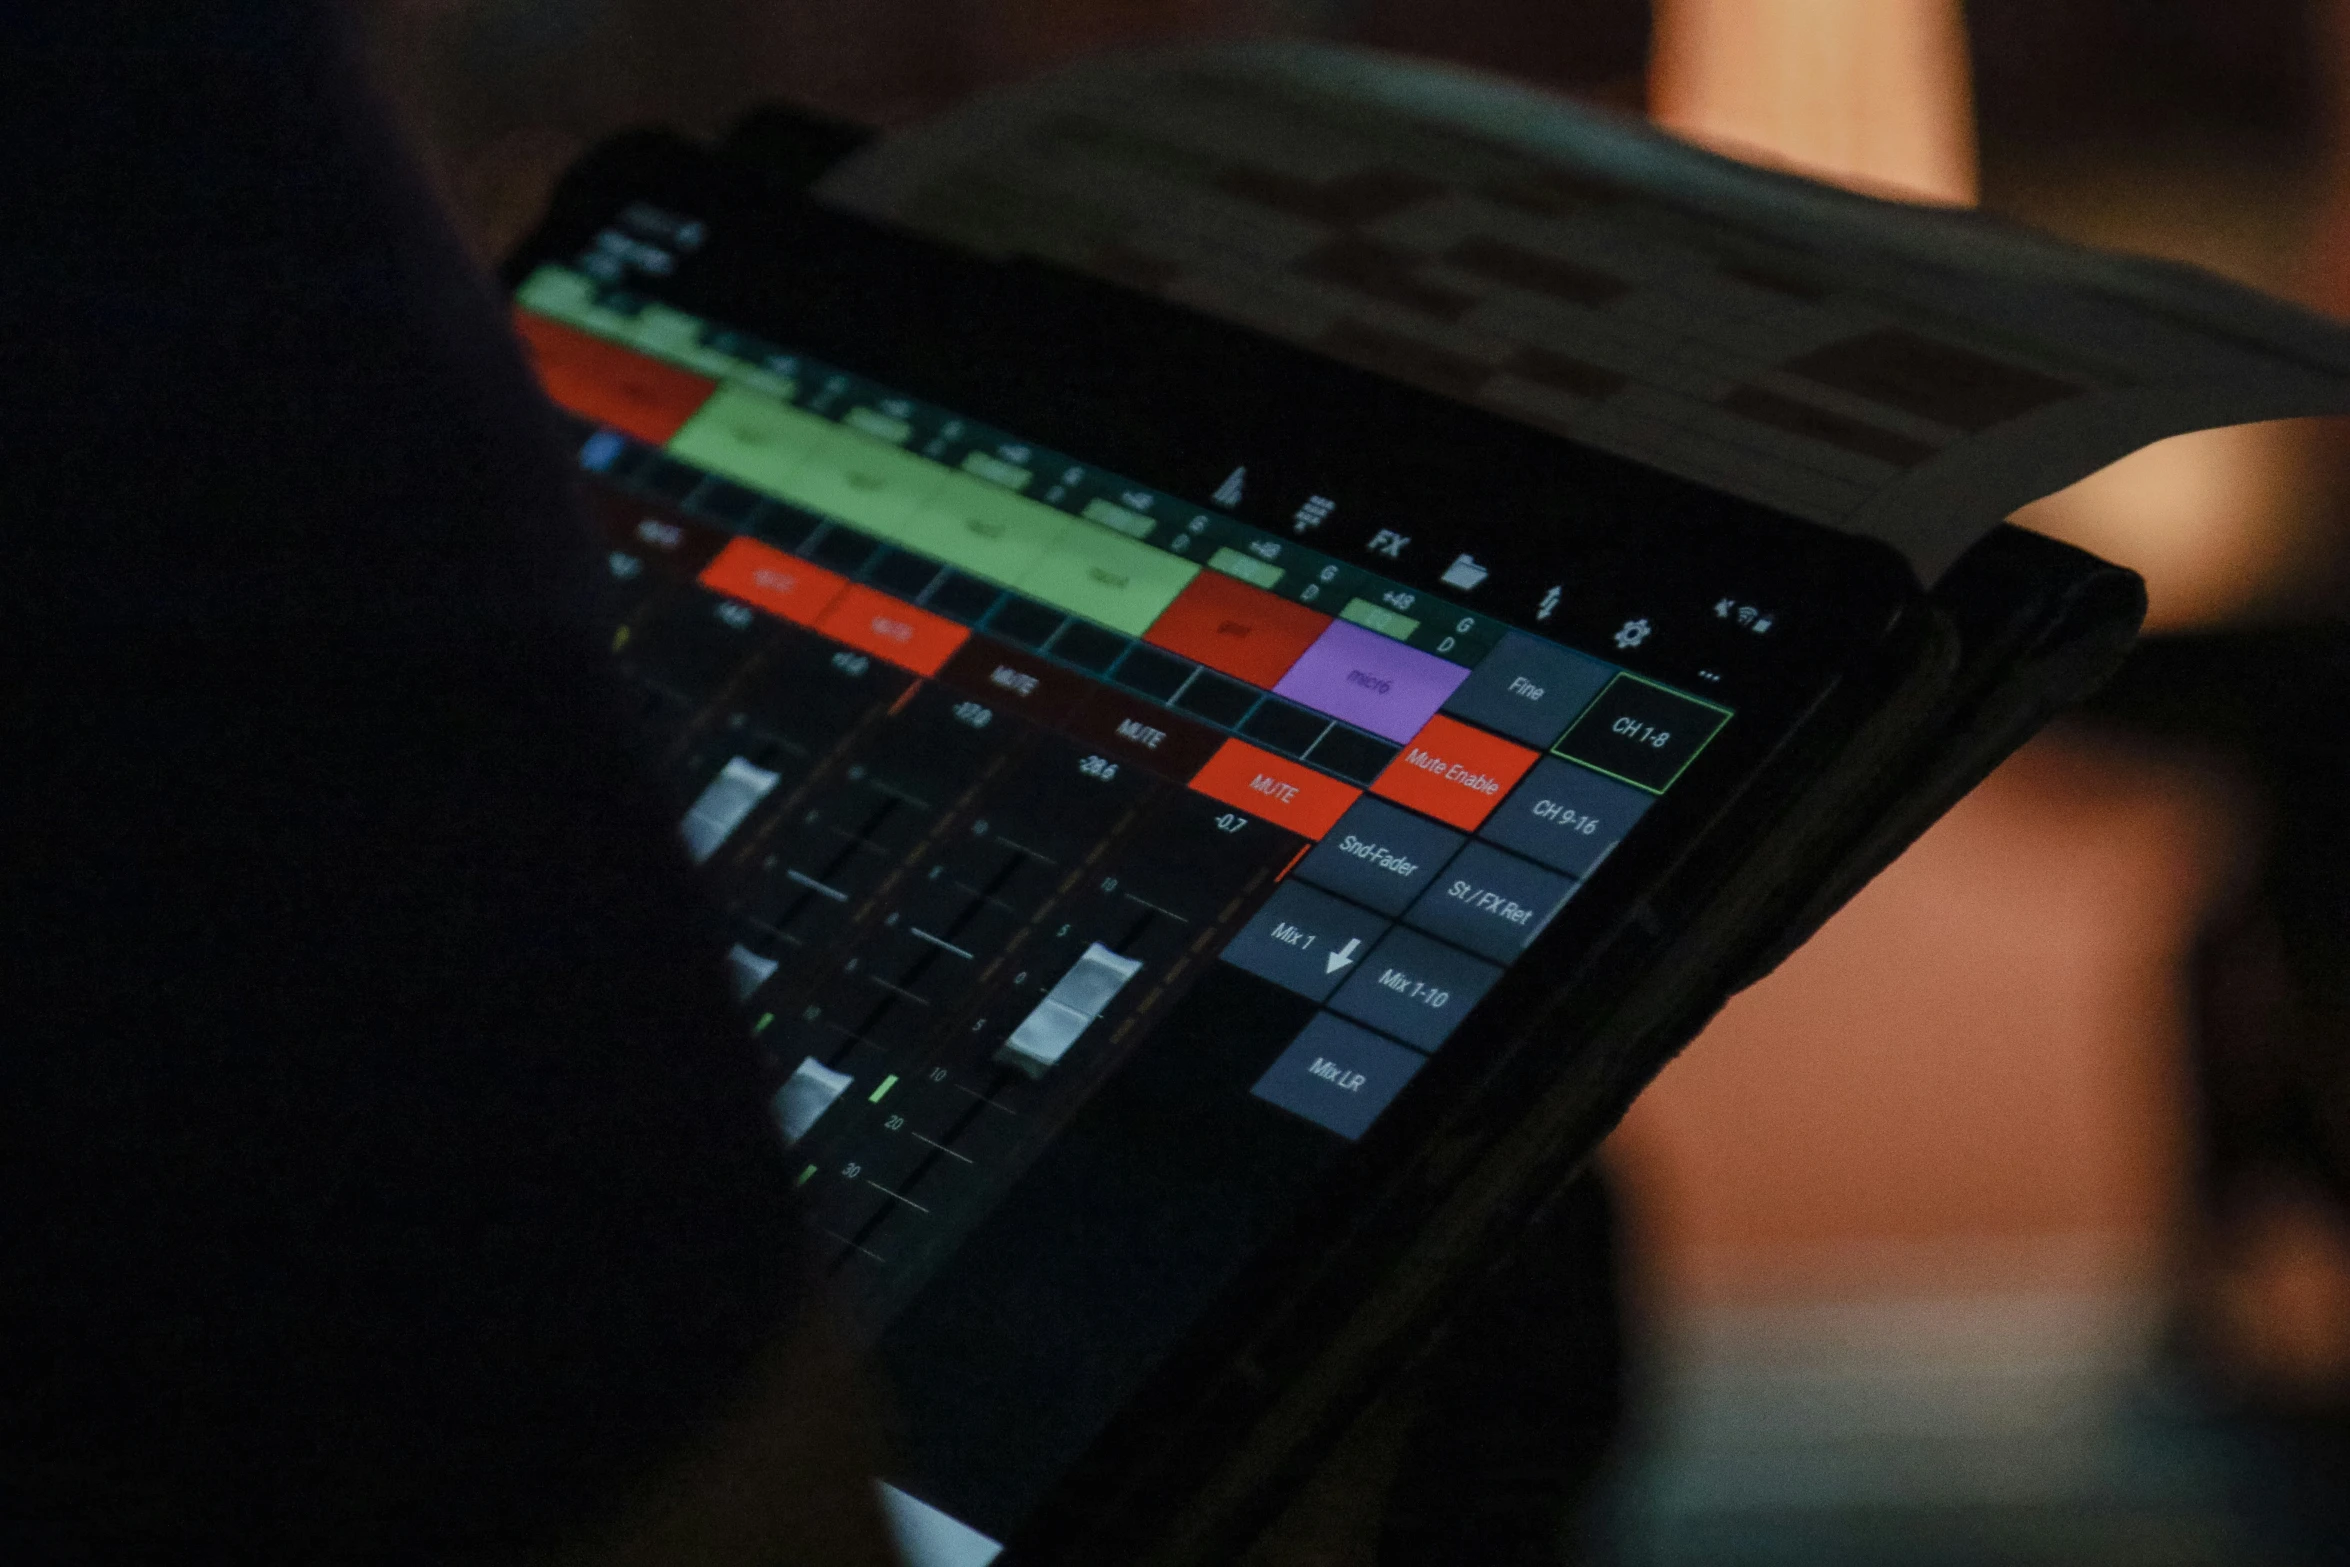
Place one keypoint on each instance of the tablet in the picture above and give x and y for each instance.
(1209, 837)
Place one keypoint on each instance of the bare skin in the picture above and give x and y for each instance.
(784, 1480)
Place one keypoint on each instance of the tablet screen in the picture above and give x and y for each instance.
(1099, 867)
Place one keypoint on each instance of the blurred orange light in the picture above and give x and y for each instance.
(1872, 94)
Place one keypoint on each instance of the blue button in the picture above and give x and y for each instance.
(1304, 940)
(1338, 1076)
(1565, 816)
(1491, 903)
(1529, 689)
(1416, 988)
(602, 449)
(1380, 855)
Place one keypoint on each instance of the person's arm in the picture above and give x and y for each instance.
(386, 1174)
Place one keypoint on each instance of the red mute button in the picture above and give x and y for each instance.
(1286, 793)
(1243, 631)
(893, 630)
(610, 384)
(1454, 773)
(768, 579)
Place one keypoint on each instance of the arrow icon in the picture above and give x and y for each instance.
(1343, 958)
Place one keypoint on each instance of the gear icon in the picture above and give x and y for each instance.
(1634, 633)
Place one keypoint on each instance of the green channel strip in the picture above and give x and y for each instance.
(947, 513)
(972, 517)
(870, 466)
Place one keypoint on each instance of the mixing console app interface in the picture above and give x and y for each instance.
(997, 759)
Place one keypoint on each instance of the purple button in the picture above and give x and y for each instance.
(1371, 681)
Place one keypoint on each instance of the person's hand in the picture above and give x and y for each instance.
(787, 1477)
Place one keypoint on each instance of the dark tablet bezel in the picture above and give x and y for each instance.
(1169, 398)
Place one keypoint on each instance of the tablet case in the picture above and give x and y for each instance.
(2019, 629)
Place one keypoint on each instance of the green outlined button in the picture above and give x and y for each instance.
(1642, 733)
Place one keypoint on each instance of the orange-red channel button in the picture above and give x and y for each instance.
(1286, 793)
(610, 384)
(1453, 772)
(1243, 631)
(892, 630)
(766, 578)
